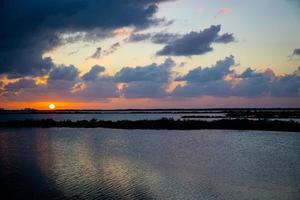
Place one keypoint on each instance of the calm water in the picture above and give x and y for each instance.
(116, 116)
(64, 163)
(104, 116)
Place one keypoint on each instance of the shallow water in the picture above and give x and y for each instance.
(121, 116)
(65, 163)
(104, 116)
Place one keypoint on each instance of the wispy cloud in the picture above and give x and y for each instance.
(223, 11)
(99, 52)
(96, 54)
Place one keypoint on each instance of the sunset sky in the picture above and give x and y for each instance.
(116, 54)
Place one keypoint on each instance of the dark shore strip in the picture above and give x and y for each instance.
(232, 112)
(163, 124)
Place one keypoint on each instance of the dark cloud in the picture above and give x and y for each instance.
(64, 73)
(64, 82)
(225, 38)
(20, 84)
(59, 85)
(144, 89)
(215, 72)
(153, 73)
(214, 88)
(100, 88)
(94, 73)
(222, 81)
(164, 38)
(248, 73)
(287, 86)
(137, 37)
(152, 81)
(254, 84)
(60, 82)
(193, 43)
(31, 28)
(26, 57)
(296, 52)
(1, 88)
(139, 82)
(96, 85)
(112, 49)
(146, 82)
(97, 54)
(157, 38)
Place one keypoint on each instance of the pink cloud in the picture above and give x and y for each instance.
(223, 11)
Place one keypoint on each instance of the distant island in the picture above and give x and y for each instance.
(230, 113)
(163, 124)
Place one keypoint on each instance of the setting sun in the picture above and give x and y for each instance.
(51, 106)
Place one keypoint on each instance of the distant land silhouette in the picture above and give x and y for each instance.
(229, 113)
(163, 124)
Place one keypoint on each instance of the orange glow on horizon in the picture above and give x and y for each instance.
(52, 106)
(123, 103)
(41, 105)
(115, 103)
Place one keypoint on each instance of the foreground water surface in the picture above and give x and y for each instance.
(104, 116)
(65, 163)
(109, 116)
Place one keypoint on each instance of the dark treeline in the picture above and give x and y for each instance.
(232, 112)
(168, 124)
(252, 114)
(263, 114)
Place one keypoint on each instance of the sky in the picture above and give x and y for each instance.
(119, 54)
